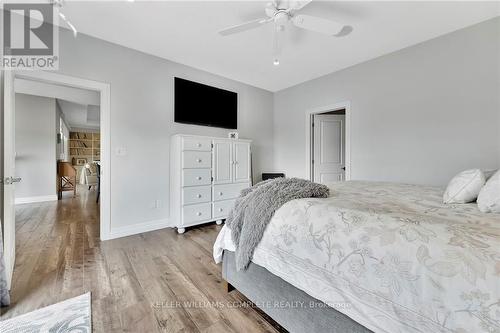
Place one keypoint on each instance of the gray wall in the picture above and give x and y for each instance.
(142, 120)
(35, 146)
(419, 115)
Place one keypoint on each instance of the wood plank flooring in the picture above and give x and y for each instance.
(153, 282)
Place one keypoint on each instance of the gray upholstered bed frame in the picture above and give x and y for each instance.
(264, 288)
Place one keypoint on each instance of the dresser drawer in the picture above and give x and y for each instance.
(195, 177)
(196, 159)
(222, 208)
(194, 213)
(196, 194)
(228, 191)
(197, 144)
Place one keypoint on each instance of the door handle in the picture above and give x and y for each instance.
(343, 168)
(11, 180)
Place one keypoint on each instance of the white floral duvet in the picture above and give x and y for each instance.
(390, 256)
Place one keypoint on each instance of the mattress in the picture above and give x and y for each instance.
(390, 256)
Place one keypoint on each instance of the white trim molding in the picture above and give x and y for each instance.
(138, 228)
(42, 198)
(346, 105)
(105, 100)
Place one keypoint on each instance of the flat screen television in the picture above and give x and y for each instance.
(199, 104)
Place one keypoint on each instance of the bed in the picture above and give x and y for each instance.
(389, 257)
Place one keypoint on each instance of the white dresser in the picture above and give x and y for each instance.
(206, 176)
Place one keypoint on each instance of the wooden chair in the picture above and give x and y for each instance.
(66, 178)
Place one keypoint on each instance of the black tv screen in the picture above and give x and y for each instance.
(199, 104)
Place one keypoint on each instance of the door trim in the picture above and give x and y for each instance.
(9, 242)
(346, 105)
(105, 100)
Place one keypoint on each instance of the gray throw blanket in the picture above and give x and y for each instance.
(255, 207)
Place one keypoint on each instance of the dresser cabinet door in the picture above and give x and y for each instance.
(222, 162)
(241, 151)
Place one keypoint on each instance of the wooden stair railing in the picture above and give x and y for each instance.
(66, 178)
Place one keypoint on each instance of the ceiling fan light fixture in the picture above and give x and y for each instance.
(281, 14)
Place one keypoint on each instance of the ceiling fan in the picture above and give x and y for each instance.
(59, 4)
(280, 12)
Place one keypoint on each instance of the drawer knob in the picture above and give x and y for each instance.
(199, 145)
(220, 193)
(199, 213)
(198, 160)
(198, 196)
(199, 178)
(220, 209)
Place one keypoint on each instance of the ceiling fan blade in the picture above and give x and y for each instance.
(245, 26)
(72, 27)
(318, 24)
(298, 5)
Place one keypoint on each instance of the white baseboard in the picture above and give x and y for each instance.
(42, 198)
(138, 228)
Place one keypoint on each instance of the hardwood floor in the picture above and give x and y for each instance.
(154, 282)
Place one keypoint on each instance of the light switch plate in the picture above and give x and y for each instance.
(121, 151)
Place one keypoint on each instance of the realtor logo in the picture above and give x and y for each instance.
(30, 36)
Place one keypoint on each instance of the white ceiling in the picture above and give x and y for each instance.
(75, 95)
(80, 115)
(186, 32)
(80, 106)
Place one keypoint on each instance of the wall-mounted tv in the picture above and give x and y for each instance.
(199, 104)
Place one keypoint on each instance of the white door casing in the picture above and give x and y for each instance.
(9, 214)
(241, 162)
(328, 148)
(222, 162)
(105, 107)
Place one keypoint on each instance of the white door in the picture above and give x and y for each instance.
(9, 178)
(222, 162)
(241, 162)
(328, 148)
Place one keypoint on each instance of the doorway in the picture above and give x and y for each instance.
(57, 142)
(62, 148)
(328, 143)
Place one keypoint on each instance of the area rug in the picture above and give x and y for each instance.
(72, 315)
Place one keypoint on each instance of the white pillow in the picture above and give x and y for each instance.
(488, 200)
(464, 187)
